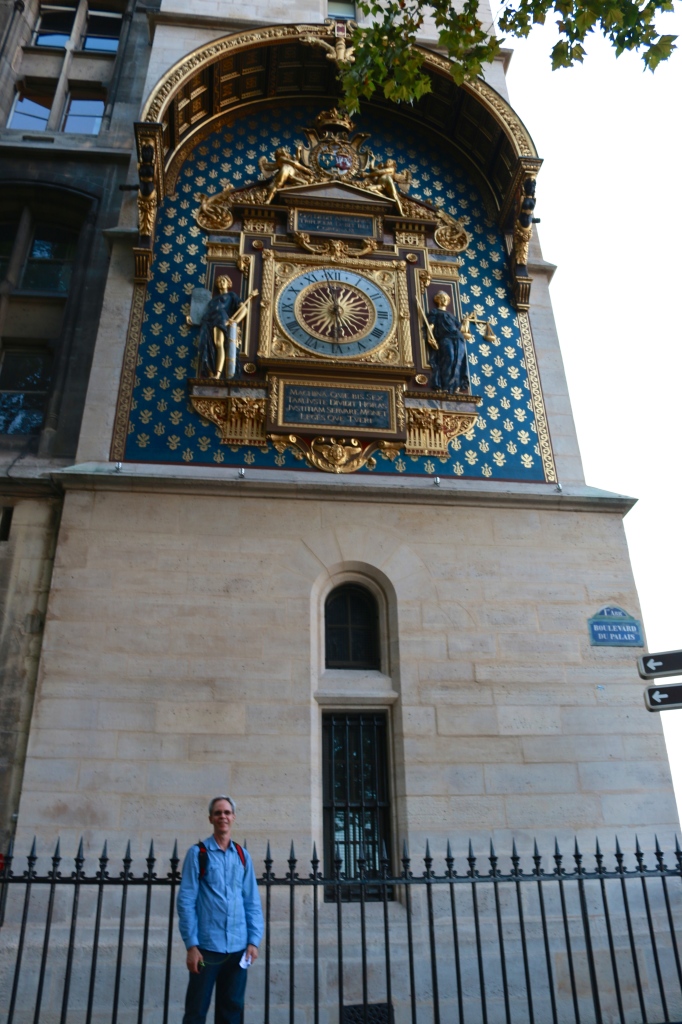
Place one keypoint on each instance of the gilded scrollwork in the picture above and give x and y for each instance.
(451, 234)
(215, 212)
(336, 454)
(338, 51)
(240, 420)
(335, 249)
(146, 212)
(429, 431)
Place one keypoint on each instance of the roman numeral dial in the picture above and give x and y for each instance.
(335, 312)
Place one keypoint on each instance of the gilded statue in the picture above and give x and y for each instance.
(285, 170)
(448, 347)
(523, 229)
(384, 177)
(340, 53)
(146, 196)
(217, 318)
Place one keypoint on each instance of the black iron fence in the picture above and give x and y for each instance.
(467, 943)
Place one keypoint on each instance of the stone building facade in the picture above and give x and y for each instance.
(168, 572)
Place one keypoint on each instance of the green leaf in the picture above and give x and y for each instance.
(386, 58)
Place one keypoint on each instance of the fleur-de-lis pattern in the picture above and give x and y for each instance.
(163, 426)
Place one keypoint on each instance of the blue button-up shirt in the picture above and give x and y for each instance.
(222, 910)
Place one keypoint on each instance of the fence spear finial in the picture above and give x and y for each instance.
(80, 858)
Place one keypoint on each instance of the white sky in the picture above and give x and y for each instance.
(610, 201)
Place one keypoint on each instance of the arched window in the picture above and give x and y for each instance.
(351, 629)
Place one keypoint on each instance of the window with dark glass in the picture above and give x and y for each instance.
(24, 383)
(103, 31)
(31, 109)
(83, 114)
(50, 260)
(7, 233)
(54, 25)
(351, 622)
(355, 793)
(340, 9)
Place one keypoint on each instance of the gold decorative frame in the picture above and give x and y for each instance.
(278, 383)
(275, 345)
(541, 424)
(128, 371)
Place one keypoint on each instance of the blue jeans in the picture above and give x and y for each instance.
(223, 971)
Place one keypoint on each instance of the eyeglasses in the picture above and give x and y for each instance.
(228, 813)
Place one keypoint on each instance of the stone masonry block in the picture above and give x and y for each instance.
(531, 778)
(200, 718)
(517, 721)
(419, 721)
(465, 721)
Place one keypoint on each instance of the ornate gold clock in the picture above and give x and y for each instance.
(335, 359)
(335, 312)
(346, 311)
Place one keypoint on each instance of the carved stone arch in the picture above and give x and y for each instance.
(270, 65)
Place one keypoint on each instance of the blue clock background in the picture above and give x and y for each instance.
(164, 428)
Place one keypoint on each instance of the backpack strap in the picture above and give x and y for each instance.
(203, 860)
(203, 857)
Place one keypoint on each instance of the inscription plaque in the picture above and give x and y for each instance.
(335, 223)
(343, 407)
(348, 408)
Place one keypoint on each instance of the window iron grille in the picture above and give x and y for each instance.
(355, 795)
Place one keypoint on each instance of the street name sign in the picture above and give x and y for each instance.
(614, 627)
(657, 666)
(662, 697)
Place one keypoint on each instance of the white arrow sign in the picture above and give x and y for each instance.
(657, 699)
(653, 665)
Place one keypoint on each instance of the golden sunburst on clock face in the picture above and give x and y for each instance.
(335, 311)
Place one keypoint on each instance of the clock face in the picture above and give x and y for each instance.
(335, 312)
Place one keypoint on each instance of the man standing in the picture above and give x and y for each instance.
(221, 919)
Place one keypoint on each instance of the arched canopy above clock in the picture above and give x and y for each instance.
(272, 65)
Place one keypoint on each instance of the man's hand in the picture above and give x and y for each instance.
(194, 960)
(252, 951)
